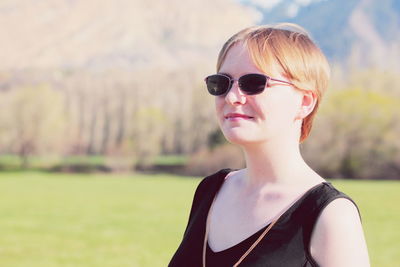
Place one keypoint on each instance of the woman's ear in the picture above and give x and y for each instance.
(309, 100)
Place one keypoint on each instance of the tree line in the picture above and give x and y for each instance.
(122, 113)
(135, 116)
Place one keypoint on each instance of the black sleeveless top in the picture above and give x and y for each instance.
(286, 244)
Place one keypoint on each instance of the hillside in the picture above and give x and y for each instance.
(98, 34)
(101, 34)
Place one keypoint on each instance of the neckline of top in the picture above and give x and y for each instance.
(285, 213)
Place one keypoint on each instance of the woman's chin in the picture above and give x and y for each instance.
(240, 139)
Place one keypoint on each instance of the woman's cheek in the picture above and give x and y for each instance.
(259, 107)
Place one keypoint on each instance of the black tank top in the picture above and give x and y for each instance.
(286, 244)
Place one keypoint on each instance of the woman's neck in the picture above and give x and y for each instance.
(275, 163)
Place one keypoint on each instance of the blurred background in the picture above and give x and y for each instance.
(104, 115)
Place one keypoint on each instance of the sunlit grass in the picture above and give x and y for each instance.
(378, 202)
(137, 220)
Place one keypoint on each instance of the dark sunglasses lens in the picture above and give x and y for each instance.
(252, 84)
(217, 84)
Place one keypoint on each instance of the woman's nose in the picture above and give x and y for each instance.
(235, 96)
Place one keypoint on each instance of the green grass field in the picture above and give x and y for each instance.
(138, 220)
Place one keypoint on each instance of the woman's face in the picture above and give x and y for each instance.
(248, 119)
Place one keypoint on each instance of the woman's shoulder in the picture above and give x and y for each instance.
(332, 203)
(206, 189)
(326, 193)
(210, 184)
(213, 180)
(338, 237)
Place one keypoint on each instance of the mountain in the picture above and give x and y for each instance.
(129, 34)
(366, 32)
(102, 34)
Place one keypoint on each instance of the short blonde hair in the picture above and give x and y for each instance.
(286, 48)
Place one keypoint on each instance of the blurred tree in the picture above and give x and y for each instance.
(147, 134)
(355, 135)
(216, 138)
(35, 122)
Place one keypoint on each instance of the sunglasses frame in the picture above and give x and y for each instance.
(232, 81)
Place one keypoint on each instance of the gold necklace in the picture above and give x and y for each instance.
(251, 247)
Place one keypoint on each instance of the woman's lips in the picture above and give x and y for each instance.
(237, 116)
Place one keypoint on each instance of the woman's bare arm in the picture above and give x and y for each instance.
(338, 237)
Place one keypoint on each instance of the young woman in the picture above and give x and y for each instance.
(277, 211)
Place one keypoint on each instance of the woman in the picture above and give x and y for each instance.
(277, 211)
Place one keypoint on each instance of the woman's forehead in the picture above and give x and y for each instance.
(237, 58)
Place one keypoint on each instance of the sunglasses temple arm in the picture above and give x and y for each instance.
(277, 80)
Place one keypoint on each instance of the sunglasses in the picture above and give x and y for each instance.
(249, 84)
